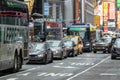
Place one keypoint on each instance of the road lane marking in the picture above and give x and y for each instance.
(20, 72)
(61, 63)
(41, 74)
(79, 64)
(84, 58)
(108, 74)
(25, 74)
(54, 74)
(67, 67)
(12, 79)
(88, 68)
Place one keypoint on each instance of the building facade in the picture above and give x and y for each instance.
(89, 11)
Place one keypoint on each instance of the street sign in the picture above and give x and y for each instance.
(46, 8)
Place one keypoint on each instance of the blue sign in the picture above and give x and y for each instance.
(46, 8)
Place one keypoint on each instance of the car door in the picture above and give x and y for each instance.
(64, 49)
(118, 47)
(112, 42)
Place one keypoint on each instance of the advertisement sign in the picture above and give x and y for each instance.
(46, 8)
(118, 3)
(111, 12)
(111, 24)
(105, 11)
(105, 29)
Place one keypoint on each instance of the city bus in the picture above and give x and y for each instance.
(14, 19)
(86, 31)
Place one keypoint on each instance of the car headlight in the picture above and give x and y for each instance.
(40, 55)
(87, 44)
(106, 44)
(94, 44)
(56, 51)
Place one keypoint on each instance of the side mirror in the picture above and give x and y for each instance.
(74, 45)
(48, 48)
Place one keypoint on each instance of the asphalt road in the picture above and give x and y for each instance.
(88, 66)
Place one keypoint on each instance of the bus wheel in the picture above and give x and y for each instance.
(17, 64)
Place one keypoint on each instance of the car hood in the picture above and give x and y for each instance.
(55, 48)
(36, 52)
(102, 43)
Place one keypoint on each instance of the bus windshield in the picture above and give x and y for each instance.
(82, 34)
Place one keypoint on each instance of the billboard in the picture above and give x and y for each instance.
(111, 10)
(105, 11)
(118, 3)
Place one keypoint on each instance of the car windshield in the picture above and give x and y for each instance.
(68, 43)
(117, 42)
(31, 46)
(66, 39)
(74, 39)
(39, 46)
(106, 40)
(53, 44)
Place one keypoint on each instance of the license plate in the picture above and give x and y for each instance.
(98, 48)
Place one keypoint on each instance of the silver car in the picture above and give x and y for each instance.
(58, 48)
(40, 53)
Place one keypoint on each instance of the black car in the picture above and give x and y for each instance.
(58, 48)
(40, 53)
(70, 45)
(104, 44)
(115, 51)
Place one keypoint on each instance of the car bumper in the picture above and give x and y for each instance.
(103, 48)
(36, 59)
(115, 54)
(57, 55)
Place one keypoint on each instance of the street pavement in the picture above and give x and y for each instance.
(88, 66)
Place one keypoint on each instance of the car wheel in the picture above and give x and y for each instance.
(95, 51)
(66, 55)
(109, 51)
(61, 57)
(51, 58)
(113, 57)
(104, 51)
(45, 60)
(90, 49)
(73, 54)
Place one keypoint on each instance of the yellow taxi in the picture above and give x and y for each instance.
(78, 43)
